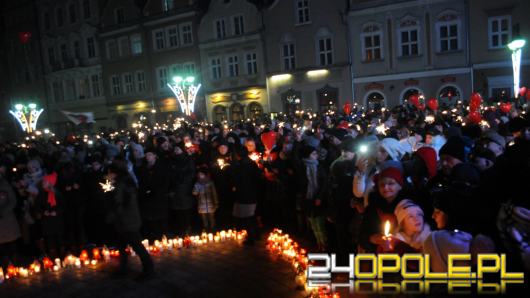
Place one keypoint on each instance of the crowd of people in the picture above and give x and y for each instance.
(444, 183)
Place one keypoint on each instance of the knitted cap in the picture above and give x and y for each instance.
(390, 172)
(404, 208)
(428, 155)
(454, 147)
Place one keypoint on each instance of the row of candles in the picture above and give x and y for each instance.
(282, 244)
(105, 254)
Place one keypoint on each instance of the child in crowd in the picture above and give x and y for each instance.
(207, 203)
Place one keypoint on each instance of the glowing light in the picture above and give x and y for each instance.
(185, 99)
(107, 186)
(317, 73)
(27, 119)
(281, 77)
(429, 119)
(516, 48)
(387, 228)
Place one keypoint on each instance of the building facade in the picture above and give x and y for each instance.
(497, 23)
(72, 60)
(233, 60)
(144, 48)
(405, 47)
(22, 77)
(308, 62)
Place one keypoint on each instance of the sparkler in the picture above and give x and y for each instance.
(107, 186)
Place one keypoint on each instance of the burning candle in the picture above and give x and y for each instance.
(93, 262)
(95, 254)
(47, 263)
(77, 263)
(36, 267)
(56, 268)
(254, 156)
(106, 254)
(223, 235)
(145, 243)
(210, 237)
(2, 278)
(23, 272)
(83, 256)
(58, 262)
(387, 229)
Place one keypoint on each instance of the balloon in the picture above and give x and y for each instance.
(268, 139)
(505, 107)
(414, 99)
(24, 36)
(522, 91)
(474, 117)
(475, 101)
(432, 103)
(347, 108)
(528, 96)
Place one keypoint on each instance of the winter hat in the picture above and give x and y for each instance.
(391, 164)
(428, 155)
(404, 208)
(312, 141)
(339, 133)
(52, 180)
(495, 137)
(393, 147)
(517, 124)
(454, 147)
(349, 144)
(307, 150)
(390, 172)
(138, 148)
(483, 153)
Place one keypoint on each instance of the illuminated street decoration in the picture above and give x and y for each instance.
(185, 92)
(516, 48)
(27, 116)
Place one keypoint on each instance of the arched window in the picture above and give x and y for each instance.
(405, 95)
(292, 101)
(448, 96)
(255, 110)
(219, 114)
(236, 112)
(375, 100)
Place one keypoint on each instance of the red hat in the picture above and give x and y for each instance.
(428, 155)
(343, 124)
(390, 172)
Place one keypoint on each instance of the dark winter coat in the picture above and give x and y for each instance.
(308, 204)
(153, 190)
(181, 182)
(123, 212)
(246, 180)
(340, 188)
(52, 217)
(9, 228)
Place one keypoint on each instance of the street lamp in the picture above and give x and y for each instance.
(27, 116)
(185, 91)
(516, 47)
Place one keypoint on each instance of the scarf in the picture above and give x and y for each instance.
(311, 167)
(416, 241)
(51, 180)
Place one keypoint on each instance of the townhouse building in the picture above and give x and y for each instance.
(404, 47)
(308, 61)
